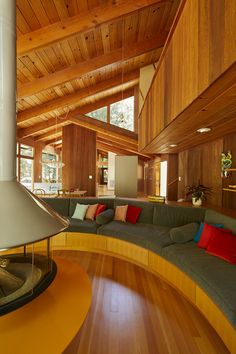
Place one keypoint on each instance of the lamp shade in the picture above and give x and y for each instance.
(24, 218)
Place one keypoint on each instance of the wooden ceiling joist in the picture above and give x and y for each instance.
(75, 97)
(83, 22)
(49, 135)
(40, 128)
(75, 71)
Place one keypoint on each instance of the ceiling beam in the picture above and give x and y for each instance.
(119, 150)
(49, 135)
(83, 22)
(75, 97)
(110, 144)
(40, 128)
(106, 101)
(101, 62)
(106, 139)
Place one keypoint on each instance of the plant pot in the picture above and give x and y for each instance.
(196, 201)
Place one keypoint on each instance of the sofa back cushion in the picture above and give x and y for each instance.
(173, 216)
(212, 217)
(61, 205)
(109, 202)
(146, 215)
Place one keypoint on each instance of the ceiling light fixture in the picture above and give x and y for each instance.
(204, 130)
(173, 145)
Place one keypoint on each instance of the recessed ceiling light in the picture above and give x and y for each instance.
(173, 145)
(204, 130)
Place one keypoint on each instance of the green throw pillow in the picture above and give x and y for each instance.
(184, 233)
(80, 211)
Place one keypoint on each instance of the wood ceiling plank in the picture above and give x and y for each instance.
(40, 13)
(29, 15)
(73, 25)
(51, 11)
(22, 25)
(91, 65)
(75, 97)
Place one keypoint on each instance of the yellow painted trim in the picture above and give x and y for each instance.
(158, 265)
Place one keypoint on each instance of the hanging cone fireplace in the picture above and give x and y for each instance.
(24, 219)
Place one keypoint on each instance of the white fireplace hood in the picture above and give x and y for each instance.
(23, 217)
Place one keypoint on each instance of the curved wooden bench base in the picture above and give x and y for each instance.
(157, 265)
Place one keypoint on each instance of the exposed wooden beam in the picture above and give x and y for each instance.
(75, 97)
(40, 128)
(126, 147)
(107, 140)
(49, 135)
(120, 150)
(83, 22)
(102, 127)
(75, 71)
(106, 101)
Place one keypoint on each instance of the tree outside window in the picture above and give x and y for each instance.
(122, 113)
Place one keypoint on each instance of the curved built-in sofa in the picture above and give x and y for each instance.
(207, 281)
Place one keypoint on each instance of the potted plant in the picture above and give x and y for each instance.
(198, 193)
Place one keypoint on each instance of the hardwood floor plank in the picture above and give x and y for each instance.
(135, 312)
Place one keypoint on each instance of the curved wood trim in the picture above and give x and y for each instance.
(157, 265)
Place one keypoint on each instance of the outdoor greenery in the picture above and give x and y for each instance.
(122, 113)
(100, 114)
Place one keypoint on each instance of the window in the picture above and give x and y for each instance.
(49, 172)
(25, 164)
(100, 114)
(122, 113)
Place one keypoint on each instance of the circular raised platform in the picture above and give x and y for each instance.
(49, 322)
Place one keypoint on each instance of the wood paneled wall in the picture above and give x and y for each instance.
(201, 48)
(229, 197)
(202, 163)
(79, 156)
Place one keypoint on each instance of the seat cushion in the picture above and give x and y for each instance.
(61, 205)
(86, 226)
(144, 235)
(215, 276)
(174, 216)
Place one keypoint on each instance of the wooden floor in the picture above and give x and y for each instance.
(134, 312)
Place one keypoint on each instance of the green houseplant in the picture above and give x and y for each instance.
(198, 193)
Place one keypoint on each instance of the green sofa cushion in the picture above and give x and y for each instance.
(173, 216)
(184, 233)
(145, 235)
(61, 205)
(212, 217)
(215, 276)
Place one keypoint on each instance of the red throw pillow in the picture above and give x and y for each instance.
(133, 213)
(100, 209)
(223, 245)
(207, 233)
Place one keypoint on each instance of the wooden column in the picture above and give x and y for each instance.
(79, 157)
(38, 148)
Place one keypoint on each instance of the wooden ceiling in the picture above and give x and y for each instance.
(74, 56)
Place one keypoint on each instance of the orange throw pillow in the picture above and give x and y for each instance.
(91, 211)
(120, 213)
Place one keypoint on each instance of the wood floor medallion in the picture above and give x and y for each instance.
(135, 312)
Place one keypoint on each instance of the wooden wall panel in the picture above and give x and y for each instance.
(79, 156)
(229, 198)
(202, 163)
(198, 53)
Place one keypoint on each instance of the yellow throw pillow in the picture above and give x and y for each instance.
(90, 213)
(120, 213)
